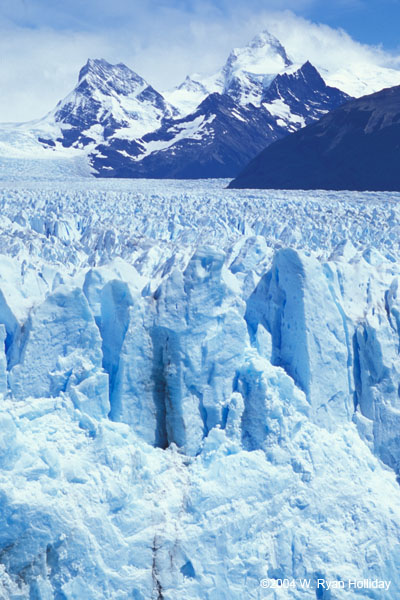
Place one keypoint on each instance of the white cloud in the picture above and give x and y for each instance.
(320, 43)
(38, 67)
(356, 68)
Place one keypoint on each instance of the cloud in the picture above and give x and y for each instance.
(44, 44)
(322, 44)
(38, 67)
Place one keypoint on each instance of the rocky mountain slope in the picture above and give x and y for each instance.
(207, 127)
(355, 147)
(107, 99)
(220, 136)
(125, 128)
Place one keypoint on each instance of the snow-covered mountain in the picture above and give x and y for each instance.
(108, 100)
(218, 138)
(244, 76)
(355, 147)
(360, 79)
(207, 127)
(250, 69)
(213, 141)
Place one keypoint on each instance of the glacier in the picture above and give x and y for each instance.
(200, 389)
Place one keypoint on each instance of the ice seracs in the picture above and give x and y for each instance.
(186, 399)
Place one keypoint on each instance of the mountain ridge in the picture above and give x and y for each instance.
(123, 127)
(354, 147)
(226, 136)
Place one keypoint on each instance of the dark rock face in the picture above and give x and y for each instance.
(214, 141)
(305, 92)
(221, 136)
(355, 147)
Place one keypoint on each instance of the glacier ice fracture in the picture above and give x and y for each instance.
(195, 403)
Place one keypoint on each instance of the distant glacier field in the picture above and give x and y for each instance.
(200, 390)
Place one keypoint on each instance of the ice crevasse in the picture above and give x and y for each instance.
(181, 426)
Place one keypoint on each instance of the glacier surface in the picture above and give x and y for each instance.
(200, 389)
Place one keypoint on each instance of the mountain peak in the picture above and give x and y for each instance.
(264, 54)
(94, 65)
(108, 98)
(247, 71)
(304, 91)
(265, 39)
(190, 84)
(99, 73)
(250, 68)
(308, 70)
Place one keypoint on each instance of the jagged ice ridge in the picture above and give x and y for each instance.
(200, 390)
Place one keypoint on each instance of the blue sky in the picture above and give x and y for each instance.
(43, 43)
(368, 21)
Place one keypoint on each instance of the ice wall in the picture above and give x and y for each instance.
(191, 418)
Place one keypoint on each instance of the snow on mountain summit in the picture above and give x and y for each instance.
(188, 95)
(100, 74)
(266, 46)
(110, 98)
(360, 79)
(247, 70)
(253, 66)
(118, 125)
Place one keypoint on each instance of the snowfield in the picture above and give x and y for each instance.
(200, 390)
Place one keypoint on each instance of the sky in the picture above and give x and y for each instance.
(44, 43)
